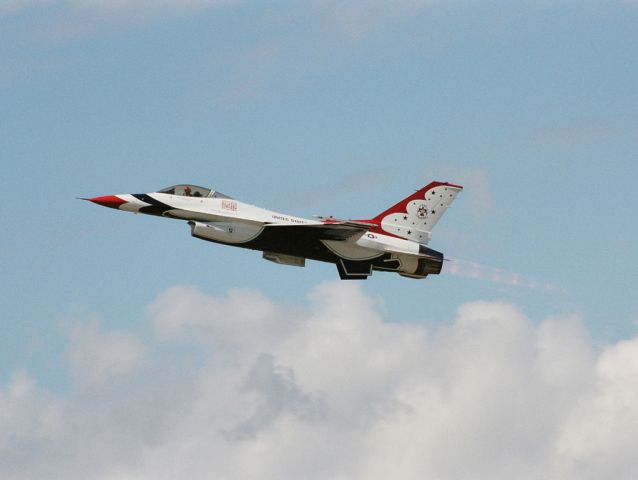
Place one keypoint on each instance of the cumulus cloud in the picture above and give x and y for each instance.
(328, 390)
(97, 357)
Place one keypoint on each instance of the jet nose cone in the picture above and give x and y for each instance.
(110, 201)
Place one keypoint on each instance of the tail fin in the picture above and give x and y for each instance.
(414, 217)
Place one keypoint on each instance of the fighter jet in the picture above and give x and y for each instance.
(393, 241)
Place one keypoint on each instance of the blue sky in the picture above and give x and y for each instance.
(334, 108)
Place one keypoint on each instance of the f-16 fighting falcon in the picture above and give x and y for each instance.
(393, 241)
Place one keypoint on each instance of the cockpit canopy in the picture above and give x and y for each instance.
(185, 190)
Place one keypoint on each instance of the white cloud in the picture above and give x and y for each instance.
(97, 357)
(329, 391)
(184, 312)
(606, 419)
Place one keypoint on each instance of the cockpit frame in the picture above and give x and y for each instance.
(189, 190)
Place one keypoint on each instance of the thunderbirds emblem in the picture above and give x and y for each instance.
(422, 212)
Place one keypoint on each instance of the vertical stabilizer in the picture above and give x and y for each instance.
(414, 217)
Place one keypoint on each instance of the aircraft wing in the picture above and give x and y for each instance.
(332, 230)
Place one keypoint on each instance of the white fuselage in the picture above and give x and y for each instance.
(393, 241)
(234, 222)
